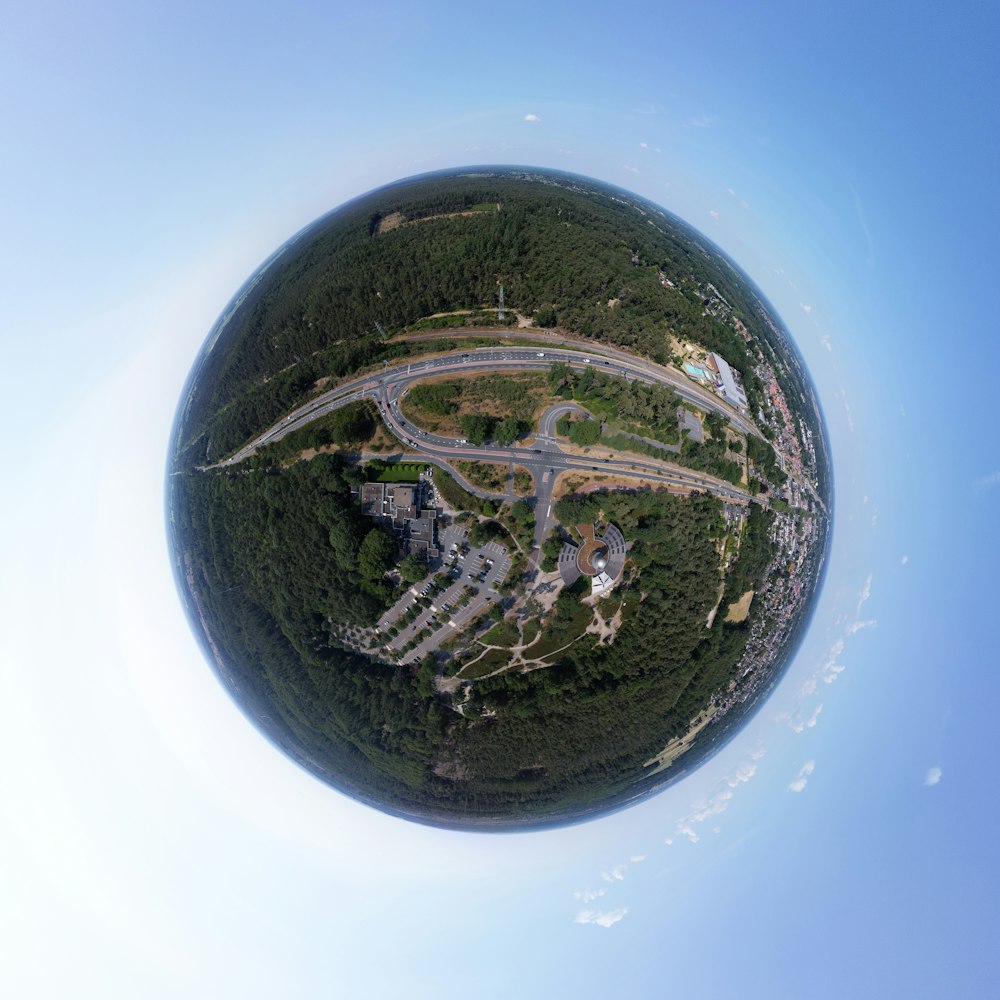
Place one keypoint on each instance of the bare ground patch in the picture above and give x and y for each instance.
(738, 612)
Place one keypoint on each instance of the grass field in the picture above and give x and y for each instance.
(555, 639)
(491, 661)
(502, 634)
(529, 631)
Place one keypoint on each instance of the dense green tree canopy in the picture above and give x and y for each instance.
(286, 580)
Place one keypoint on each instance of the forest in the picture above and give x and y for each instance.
(277, 560)
(561, 252)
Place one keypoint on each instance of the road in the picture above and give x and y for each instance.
(545, 460)
(607, 360)
(648, 371)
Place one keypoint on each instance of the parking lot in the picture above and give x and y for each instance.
(482, 570)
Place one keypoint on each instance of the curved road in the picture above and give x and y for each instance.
(648, 371)
(489, 359)
(545, 460)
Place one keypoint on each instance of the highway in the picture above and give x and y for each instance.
(648, 371)
(544, 459)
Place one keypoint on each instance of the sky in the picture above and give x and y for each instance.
(153, 844)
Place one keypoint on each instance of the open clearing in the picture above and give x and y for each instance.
(738, 612)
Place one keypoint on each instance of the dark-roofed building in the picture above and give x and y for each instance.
(399, 507)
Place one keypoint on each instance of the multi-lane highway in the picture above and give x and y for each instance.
(542, 456)
(648, 371)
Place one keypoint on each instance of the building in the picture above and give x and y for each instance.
(399, 507)
(726, 385)
(601, 557)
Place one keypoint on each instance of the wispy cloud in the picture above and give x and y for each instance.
(803, 778)
(864, 594)
(601, 917)
(703, 121)
(532, 118)
(904, 560)
(993, 479)
(831, 669)
(616, 874)
(825, 341)
(631, 169)
(933, 776)
(797, 723)
(716, 803)
(712, 212)
(805, 307)
(636, 858)
(644, 145)
(589, 895)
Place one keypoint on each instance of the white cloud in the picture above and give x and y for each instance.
(859, 626)
(689, 832)
(803, 778)
(630, 169)
(799, 725)
(731, 191)
(703, 121)
(718, 801)
(617, 874)
(589, 895)
(805, 307)
(993, 479)
(532, 118)
(825, 341)
(904, 560)
(865, 593)
(933, 776)
(600, 917)
(636, 858)
(712, 212)
(644, 145)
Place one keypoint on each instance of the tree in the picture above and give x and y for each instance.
(413, 568)
(714, 423)
(546, 316)
(585, 432)
(375, 554)
(476, 427)
(507, 431)
(521, 511)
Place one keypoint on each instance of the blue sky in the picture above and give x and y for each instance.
(153, 845)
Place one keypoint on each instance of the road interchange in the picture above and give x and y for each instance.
(388, 387)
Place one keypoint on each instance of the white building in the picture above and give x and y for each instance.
(726, 386)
